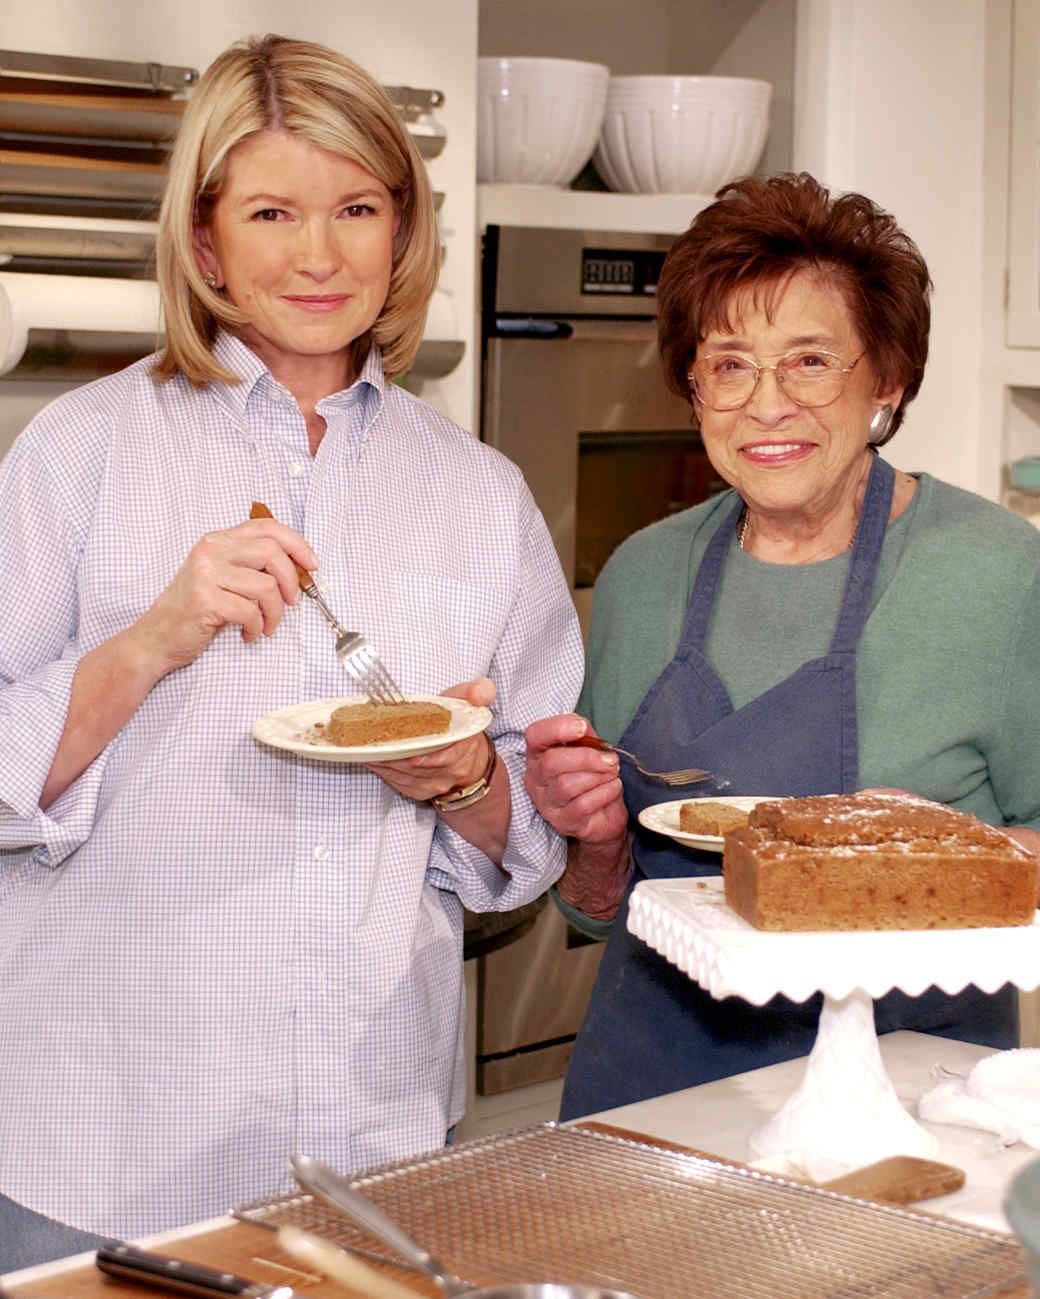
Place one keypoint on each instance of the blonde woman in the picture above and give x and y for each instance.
(213, 955)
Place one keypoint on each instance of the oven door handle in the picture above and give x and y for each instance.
(529, 327)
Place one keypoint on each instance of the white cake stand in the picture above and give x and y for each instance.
(845, 1109)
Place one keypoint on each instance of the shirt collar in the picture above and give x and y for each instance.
(230, 352)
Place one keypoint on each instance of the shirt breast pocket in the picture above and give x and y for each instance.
(443, 631)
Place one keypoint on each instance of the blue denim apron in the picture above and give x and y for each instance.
(650, 1029)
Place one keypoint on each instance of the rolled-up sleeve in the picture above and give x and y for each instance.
(32, 717)
(38, 659)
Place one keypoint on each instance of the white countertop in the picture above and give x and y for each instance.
(718, 1118)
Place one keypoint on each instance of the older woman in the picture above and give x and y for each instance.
(828, 624)
(213, 954)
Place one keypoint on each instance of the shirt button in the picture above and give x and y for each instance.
(321, 852)
(295, 469)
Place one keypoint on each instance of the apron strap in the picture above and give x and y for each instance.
(706, 584)
(866, 556)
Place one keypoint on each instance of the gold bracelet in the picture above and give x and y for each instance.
(466, 795)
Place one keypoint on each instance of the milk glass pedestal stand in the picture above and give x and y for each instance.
(845, 1109)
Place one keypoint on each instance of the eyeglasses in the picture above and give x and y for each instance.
(727, 380)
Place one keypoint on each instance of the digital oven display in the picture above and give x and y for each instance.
(610, 270)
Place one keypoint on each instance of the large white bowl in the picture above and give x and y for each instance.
(537, 119)
(681, 135)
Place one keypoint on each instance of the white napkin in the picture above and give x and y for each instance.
(1000, 1094)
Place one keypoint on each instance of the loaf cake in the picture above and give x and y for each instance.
(371, 723)
(705, 816)
(875, 861)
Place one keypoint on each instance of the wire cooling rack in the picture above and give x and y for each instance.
(551, 1203)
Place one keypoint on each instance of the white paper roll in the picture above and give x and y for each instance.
(79, 302)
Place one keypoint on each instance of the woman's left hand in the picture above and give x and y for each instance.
(457, 765)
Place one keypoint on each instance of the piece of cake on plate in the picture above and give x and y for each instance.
(371, 723)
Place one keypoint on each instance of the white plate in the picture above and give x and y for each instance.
(663, 818)
(291, 729)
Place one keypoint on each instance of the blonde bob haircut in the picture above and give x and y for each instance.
(274, 83)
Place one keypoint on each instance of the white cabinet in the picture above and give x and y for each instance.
(1023, 289)
(1010, 351)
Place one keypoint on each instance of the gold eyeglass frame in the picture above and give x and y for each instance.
(760, 369)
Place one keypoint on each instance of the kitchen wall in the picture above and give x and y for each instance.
(402, 42)
(602, 31)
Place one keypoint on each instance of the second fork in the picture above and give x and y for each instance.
(681, 776)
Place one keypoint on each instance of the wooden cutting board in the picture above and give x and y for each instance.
(901, 1179)
(242, 1247)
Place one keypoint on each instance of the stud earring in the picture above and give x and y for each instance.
(211, 279)
(880, 424)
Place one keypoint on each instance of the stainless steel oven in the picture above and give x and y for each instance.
(572, 389)
(572, 392)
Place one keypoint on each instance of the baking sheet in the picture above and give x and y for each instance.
(58, 174)
(553, 1203)
(144, 120)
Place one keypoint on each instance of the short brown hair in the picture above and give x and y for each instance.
(757, 233)
(313, 92)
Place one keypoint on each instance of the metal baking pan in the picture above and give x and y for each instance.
(76, 177)
(106, 119)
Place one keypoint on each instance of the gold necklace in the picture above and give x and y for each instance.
(742, 527)
(742, 523)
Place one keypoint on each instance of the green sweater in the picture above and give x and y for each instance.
(948, 670)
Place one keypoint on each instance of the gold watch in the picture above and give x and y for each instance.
(466, 795)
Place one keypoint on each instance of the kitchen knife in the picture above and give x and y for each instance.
(131, 1264)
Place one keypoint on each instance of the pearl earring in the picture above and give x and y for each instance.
(211, 279)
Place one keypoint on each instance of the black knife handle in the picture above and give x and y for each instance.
(137, 1265)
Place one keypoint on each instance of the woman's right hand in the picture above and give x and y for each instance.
(242, 577)
(576, 789)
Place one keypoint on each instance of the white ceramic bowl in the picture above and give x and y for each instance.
(537, 119)
(681, 135)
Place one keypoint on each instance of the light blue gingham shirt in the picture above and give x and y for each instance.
(214, 954)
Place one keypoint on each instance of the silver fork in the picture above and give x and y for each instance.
(357, 656)
(354, 652)
(682, 776)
